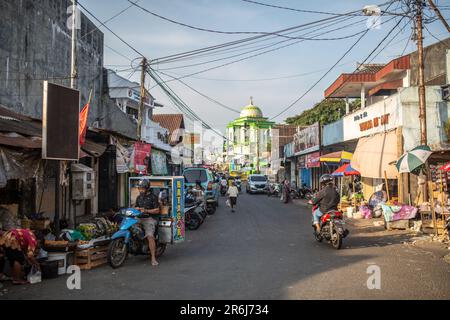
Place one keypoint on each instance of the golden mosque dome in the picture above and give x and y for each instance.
(251, 111)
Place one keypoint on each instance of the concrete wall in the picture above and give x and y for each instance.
(438, 113)
(435, 64)
(35, 45)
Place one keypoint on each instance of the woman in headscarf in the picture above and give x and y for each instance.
(18, 246)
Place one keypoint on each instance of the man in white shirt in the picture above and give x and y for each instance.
(233, 194)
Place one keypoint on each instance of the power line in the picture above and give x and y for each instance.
(203, 95)
(268, 46)
(216, 31)
(298, 10)
(248, 57)
(333, 66)
(109, 29)
(248, 44)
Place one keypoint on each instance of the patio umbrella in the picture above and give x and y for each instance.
(347, 170)
(413, 159)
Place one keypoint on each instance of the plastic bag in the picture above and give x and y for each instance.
(228, 203)
(34, 276)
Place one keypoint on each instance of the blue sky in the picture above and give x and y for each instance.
(303, 63)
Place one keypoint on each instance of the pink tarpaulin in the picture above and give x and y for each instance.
(141, 157)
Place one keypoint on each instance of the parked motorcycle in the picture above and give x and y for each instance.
(305, 193)
(332, 228)
(194, 212)
(273, 189)
(130, 239)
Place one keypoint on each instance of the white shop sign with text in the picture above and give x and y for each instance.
(379, 117)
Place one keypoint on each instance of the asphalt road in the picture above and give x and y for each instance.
(265, 250)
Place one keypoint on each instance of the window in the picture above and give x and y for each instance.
(192, 176)
(258, 179)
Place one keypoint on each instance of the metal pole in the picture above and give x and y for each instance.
(438, 13)
(142, 99)
(422, 100)
(73, 70)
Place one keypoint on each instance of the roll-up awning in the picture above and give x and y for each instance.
(374, 155)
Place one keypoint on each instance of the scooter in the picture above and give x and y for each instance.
(130, 239)
(332, 227)
(194, 211)
(273, 189)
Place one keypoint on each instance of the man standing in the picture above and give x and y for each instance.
(233, 193)
(148, 204)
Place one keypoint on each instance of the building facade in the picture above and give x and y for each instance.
(248, 144)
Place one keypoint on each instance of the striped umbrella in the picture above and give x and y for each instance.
(346, 170)
(413, 159)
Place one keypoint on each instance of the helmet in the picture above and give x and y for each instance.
(143, 184)
(326, 179)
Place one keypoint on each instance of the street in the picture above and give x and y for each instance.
(265, 250)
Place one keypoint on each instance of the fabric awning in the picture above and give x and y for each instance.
(337, 157)
(374, 154)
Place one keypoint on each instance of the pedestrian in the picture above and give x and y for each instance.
(233, 193)
(286, 191)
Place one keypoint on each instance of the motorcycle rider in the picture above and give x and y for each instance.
(148, 204)
(223, 185)
(328, 199)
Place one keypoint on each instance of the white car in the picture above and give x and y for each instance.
(257, 183)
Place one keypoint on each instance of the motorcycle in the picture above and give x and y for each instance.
(305, 193)
(130, 239)
(193, 216)
(274, 189)
(194, 211)
(332, 228)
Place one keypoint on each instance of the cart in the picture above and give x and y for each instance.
(170, 192)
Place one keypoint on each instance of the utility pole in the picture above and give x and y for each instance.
(422, 99)
(73, 67)
(142, 98)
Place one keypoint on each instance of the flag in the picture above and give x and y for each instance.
(83, 121)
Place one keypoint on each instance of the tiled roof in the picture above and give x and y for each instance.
(171, 122)
(370, 68)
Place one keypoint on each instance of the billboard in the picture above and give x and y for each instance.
(307, 140)
(60, 122)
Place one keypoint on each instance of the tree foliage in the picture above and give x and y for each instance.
(325, 112)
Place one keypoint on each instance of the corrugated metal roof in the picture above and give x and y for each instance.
(16, 140)
(171, 122)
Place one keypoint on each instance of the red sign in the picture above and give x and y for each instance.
(313, 160)
(141, 157)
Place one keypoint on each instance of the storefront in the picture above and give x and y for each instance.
(307, 152)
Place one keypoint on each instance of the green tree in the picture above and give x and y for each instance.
(325, 112)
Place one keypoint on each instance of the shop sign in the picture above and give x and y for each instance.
(313, 160)
(136, 96)
(379, 117)
(307, 140)
(301, 162)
